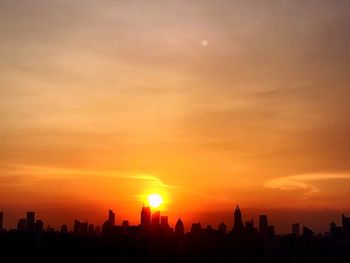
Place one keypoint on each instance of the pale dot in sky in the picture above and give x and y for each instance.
(205, 43)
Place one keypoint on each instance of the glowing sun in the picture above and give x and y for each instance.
(155, 200)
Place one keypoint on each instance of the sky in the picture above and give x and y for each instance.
(208, 103)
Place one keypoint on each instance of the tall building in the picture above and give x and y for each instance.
(179, 228)
(249, 227)
(296, 229)
(39, 226)
(145, 216)
(263, 225)
(164, 221)
(346, 225)
(196, 228)
(238, 224)
(156, 218)
(30, 221)
(21, 225)
(125, 224)
(307, 232)
(111, 218)
(1, 221)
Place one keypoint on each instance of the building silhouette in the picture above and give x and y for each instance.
(164, 221)
(346, 225)
(307, 232)
(263, 226)
(39, 226)
(249, 227)
(179, 228)
(335, 231)
(145, 216)
(196, 228)
(111, 217)
(30, 221)
(21, 225)
(125, 224)
(237, 223)
(159, 243)
(156, 218)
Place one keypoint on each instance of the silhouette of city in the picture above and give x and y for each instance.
(154, 240)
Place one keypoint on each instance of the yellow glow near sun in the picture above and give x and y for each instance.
(155, 200)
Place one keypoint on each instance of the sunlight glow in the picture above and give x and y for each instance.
(155, 200)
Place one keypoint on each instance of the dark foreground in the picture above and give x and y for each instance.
(152, 246)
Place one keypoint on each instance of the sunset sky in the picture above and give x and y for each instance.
(208, 103)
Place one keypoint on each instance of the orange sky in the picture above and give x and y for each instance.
(210, 103)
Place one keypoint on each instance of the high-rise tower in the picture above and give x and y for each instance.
(179, 228)
(30, 221)
(145, 216)
(111, 218)
(156, 218)
(238, 224)
(263, 225)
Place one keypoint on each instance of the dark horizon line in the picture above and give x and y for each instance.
(22, 223)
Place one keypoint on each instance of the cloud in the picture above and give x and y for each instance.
(307, 183)
(36, 174)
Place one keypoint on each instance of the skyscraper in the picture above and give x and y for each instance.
(249, 227)
(196, 228)
(145, 216)
(1, 221)
(39, 226)
(111, 218)
(238, 224)
(156, 218)
(179, 228)
(21, 225)
(30, 221)
(164, 221)
(263, 225)
(125, 224)
(307, 232)
(346, 225)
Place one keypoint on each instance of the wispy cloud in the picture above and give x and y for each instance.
(304, 182)
(36, 173)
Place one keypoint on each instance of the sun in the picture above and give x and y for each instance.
(155, 200)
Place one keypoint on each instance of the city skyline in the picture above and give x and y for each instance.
(149, 217)
(203, 103)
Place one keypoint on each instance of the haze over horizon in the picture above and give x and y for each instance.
(208, 103)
